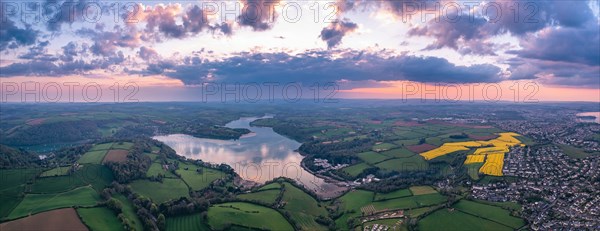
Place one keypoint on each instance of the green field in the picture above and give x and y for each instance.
(198, 181)
(383, 146)
(413, 163)
(129, 212)
(355, 170)
(576, 153)
(58, 171)
(395, 194)
(265, 196)
(422, 190)
(410, 202)
(99, 218)
(351, 203)
(35, 203)
(104, 146)
(457, 220)
(92, 157)
(57, 184)
(302, 207)
(161, 192)
(12, 184)
(399, 152)
(156, 169)
(186, 222)
(274, 185)
(372, 157)
(122, 145)
(222, 216)
(98, 176)
(473, 170)
(490, 212)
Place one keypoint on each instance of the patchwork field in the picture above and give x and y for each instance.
(169, 189)
(490, 212)
(59, 219)
(265, 196)
(35, 203)
(249, 215)
(92, 157)
(196, 177)
(100, 218)
(395, 194)
(355, 170)
(58, 171)
(104, 146)
(359, 202)
(302, 207)
(186, 222)
(445, 219)
(12, 185)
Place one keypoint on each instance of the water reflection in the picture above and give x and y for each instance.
(259, 156)
(589, 120)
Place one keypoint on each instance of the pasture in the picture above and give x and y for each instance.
(58, 171)
(104, 146)
(445, 219)
(391, 195)
(156, 169)
(12, 184)
(413, 163)
(398, 153)
(422, 190)
(129, 212)
(222, 216)
(264, 196)
(274, 185)
(35, 203)
(186, 222)
(169, 189)
(196, 177)
(303, 207)
(122, 145)
(490, 212)
(355, 170)
(99, 218)
(372, 157)
(92, 157)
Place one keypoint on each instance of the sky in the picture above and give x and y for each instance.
(252, 50)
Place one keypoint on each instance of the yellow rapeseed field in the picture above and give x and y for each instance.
(492, 151)
(442, 150)
(493, 165)
(474, 159)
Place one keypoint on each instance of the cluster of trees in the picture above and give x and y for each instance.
(15, 158)
(136, 166)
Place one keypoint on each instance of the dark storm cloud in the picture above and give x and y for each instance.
(556, 73)
(563, 44)
(334, 33)
(470, 35)
(12, 37)
(319, 66)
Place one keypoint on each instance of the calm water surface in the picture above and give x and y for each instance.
(595, 114)
(259, 156)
